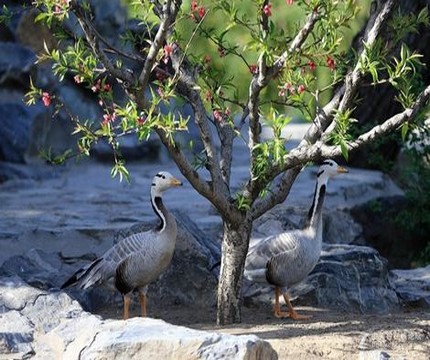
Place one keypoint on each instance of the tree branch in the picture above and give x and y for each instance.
(265, 75)
(93, 40)
(318, 151)
(323, 123)
(167, 17)
(278, 193)
(186, 87)
(223, 205)
(344, 96)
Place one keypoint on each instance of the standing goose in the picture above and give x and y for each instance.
(139, 259)
(285, 259)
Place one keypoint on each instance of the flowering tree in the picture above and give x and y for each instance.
(291, 68)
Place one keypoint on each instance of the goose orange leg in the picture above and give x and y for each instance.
(291, 312)
(142, 299)
(127, 299)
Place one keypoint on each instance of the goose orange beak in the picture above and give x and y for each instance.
(175, 182)
(341, 170)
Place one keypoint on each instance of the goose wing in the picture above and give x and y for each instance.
(103, 270)
(259, 254)
(284, 244)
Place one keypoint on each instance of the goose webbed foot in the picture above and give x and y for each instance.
(278, 313)
(291, 312)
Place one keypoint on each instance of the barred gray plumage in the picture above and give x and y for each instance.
(286, 259)
(139, 259)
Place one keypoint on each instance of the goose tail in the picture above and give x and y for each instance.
(84, 277)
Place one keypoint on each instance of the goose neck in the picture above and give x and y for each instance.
(160, 210)
(315, 212)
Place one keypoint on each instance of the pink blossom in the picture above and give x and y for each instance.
(197, 12)
(46, 98)
(96, 87)
(78, 79)
(253, 69)
(160, 92)
(331, 63)
(312, 65)
(202, 11)
(218, 115)
(301, 89)
(267, 9)
(168, 50)
(208, 96)
(107, 118)
(289, 2)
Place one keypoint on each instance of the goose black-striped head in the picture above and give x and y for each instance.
(330, 168)
(163, 181)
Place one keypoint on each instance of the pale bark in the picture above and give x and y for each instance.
(234, 249)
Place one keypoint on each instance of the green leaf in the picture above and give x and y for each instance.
(404, 130)
(344, 149)
(120, 170)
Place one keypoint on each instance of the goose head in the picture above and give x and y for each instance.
(163, 181)
(329, 169)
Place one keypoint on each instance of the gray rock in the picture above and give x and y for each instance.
(16, 335)
(352, 278)
(50, 325)
(15, 122)
(188, 280)
(124, 340)
(348, 277)
(15, 294)
(374, 355)
(339, 226)
(412, 286)
(16, 62)
(24, 172)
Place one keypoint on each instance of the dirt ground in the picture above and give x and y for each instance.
(327, 335)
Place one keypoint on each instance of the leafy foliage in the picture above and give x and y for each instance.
(415, 218)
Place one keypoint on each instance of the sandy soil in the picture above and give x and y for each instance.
(327, 335)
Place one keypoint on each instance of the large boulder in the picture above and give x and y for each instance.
(15, 120)
(16, 63)
(351, 278)
(412, 286)
(187, 281)
(339, 226)
(348, 277)
(50, 325)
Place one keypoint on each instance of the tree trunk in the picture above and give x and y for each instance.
(234, 250)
